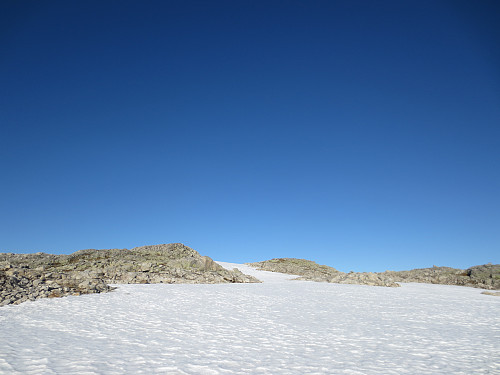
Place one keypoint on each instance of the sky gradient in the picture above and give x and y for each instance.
(362, 135)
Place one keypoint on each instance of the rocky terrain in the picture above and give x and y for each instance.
(309, 270)
(31, 276)
(19, 284)
(485, 276)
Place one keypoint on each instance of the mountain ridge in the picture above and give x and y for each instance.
(486, 276)
(31, 276)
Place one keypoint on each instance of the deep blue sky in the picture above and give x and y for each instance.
(360, 134)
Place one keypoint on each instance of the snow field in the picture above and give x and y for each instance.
(277, 327)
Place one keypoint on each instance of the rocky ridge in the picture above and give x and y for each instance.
(485, 276)
(31, 276)
(309, 270)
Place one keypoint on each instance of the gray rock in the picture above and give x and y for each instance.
(485, 276)
(309, 270)
(89, 271)
(491, 293)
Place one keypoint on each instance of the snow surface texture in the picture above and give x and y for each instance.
(277, 327)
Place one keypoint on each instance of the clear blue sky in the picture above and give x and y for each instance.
(360, 134)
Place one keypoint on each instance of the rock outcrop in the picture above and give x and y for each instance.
(31, 276)
(496, 294)
(18, 285)
(485, 276)
(309, 270)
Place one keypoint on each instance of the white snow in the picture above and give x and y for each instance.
(264, 276)
(277, 327)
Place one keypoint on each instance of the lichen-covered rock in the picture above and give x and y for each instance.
(295, 266)
(486, 276)
(22, 284)
(309, 270)
(31, 276)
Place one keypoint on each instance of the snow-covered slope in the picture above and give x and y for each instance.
(277, 327)
(264, 276)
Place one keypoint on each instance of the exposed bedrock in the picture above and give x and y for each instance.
(485, 276)
(31, 276)
(309, 270)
